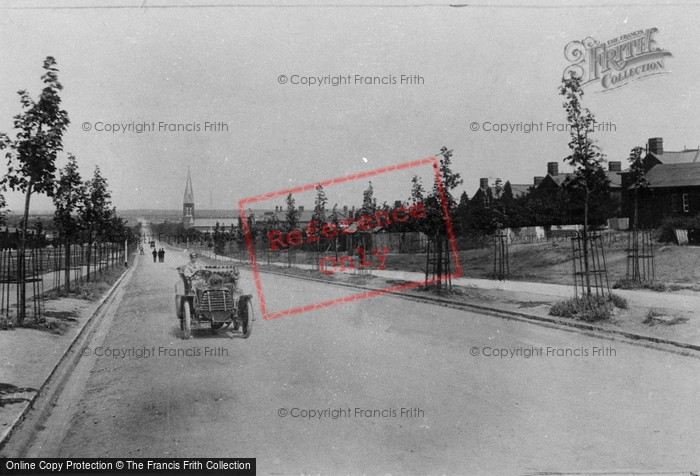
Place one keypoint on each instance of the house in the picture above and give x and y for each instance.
(485, 193)
(674, 184)
(554, 180)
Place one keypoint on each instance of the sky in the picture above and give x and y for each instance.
(221, 62)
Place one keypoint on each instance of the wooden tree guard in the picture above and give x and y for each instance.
(438, 263)
(595, 279)
(9, 277)
(640, 256)
(501, 265)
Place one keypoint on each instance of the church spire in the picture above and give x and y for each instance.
(188, 203)
(189, 194)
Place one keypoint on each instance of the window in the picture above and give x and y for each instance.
(674, 203)
(686, 203)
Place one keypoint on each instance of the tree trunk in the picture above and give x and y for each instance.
(585, 244)
(68, 266)
(89, 254)
(21, 255)
(636, 276)
(439, 262)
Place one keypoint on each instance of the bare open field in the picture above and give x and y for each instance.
(551, 262)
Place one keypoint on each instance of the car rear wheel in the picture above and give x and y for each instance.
(246, 311)
(186, 320)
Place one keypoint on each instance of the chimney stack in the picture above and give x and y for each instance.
(484, 183)
(656, 145)
(538, 180)
(345, 210)
(553, 168)
(615, 166)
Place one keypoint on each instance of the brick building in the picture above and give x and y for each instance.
(674, 184)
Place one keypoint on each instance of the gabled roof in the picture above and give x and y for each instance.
(683, 157)
(480, 191)
(674, 175)
(557, 179)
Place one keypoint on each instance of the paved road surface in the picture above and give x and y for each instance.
(629, 408)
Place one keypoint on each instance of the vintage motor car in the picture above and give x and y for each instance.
(211, 298)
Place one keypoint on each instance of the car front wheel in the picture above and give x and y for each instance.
(186, 320)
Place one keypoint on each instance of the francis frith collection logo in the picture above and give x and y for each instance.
(605, 66)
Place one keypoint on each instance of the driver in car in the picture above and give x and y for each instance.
(191, 268)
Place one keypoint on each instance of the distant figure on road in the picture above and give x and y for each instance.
(141, 249)
(155, 255)
(161, 255)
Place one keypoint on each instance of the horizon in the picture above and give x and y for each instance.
(239, 67)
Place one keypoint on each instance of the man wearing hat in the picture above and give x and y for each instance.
(190, 268)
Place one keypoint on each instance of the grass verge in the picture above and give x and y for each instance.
(631, 284)
(588, 308)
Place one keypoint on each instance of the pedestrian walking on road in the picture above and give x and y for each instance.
(161, 255)
(155, 255)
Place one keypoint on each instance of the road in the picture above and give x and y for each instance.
(627, 408)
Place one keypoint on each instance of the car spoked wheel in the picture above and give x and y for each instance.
(186, 320)
(246, 315)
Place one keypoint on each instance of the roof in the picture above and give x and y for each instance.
(517, 189)
(520, 189)
(211, 222)
(557, 179)
(614, 177)
(560, 177)
(683, 157)
(674, 175)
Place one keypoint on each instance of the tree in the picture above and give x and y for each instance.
(68, 199)
(3, 212)
(239, 235)
(95, 211)
(335, 220)
(507, 191)
(439, 206)
(369, 203)
(640, 183)
(32, 155)
(292, 215)
(219, 239)
(589, 177)
(462, 214)
(319, 214)
(508, 205)
(292, 221)
(417, 197)
(499, 216)
(39, 237)
(638, 180)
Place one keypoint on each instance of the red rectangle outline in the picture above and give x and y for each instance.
(402, 287)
